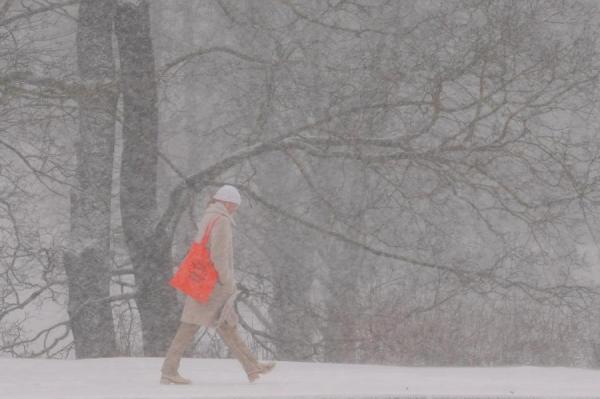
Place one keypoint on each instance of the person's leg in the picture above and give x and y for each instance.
(183, 337)
(263, 368)
(230, 336)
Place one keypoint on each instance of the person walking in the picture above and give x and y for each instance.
(219, 312)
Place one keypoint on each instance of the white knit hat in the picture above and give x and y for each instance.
(228, 193)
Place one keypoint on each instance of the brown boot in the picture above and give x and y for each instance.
(263, 368)
(266, 367)
(183, 337)
(174, 379)
(240, 350)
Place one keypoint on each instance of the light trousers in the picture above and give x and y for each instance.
(228, 333)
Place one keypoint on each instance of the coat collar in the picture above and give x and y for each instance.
(219, 207)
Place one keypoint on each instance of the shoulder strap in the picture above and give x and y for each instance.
(208, 230)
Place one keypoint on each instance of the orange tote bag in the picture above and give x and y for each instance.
(197, 275)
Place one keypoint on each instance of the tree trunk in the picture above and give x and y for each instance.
(87, 262)
(149, 251)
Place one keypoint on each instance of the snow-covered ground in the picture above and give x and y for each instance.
(137, 378)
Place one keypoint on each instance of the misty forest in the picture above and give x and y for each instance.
(420, 180)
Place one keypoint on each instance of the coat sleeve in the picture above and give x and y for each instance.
(220, 249)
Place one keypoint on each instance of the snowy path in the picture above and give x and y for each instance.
(137, 378)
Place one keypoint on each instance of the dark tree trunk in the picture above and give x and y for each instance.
(149, 248)
(87, 262)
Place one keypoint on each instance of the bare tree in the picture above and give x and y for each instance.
(449, 119)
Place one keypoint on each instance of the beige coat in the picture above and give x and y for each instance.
(221, 251)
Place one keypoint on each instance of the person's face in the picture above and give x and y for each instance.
(230, 206)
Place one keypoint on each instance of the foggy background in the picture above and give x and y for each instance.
(419, 180)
